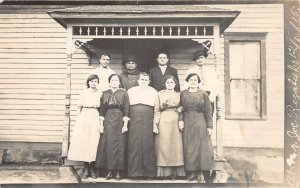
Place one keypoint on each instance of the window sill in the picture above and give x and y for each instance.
(254, 118)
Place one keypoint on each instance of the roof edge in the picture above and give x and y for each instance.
(139, 2)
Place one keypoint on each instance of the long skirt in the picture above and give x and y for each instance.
(111, 151)
(168, 145)
(141, 150)
(85, 137)
(198, 150)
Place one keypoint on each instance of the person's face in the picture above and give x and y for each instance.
(193, 82)
(200, 60)
(104, 61)
(143, 81)
(114, 82)
(93, 83)
(162, 59)
(131, 65)
(170, 84)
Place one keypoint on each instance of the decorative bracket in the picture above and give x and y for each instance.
(82, 45)
(79, 44)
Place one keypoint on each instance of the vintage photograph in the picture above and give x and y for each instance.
(159, 93)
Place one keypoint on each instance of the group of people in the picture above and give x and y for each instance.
(140, 125)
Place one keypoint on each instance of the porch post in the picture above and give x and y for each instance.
(218, 99)
(219, 128)
(66, 128)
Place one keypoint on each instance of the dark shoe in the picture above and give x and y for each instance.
(85, 172)
(109, 175)
(191, 177)
(201, 177)
(173, 177)
(93, 173)
(118, 176)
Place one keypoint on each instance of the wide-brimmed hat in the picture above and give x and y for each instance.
(204, 48)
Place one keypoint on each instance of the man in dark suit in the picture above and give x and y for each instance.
(157, 74)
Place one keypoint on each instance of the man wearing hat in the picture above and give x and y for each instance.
(157, 74)
(131, 73)
(208, 76)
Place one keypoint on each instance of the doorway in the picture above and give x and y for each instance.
(145, 50)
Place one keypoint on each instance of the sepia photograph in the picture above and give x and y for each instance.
(140, 93)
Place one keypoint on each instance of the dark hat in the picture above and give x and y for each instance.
(204, 48)
(130, 58)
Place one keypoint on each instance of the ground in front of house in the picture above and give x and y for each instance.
(36, 174)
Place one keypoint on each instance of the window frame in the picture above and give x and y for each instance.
(246, 37)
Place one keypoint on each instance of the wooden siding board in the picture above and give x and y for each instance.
(30, 146)
(31, 123)
(32, 35)
(30, 112)
(32, 81)
(40, 46)
(31, 25)
(31, 102)
(25, 49)
(31, 138)
(32, 76)
(31, 40)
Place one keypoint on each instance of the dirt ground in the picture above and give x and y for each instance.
(28, 174)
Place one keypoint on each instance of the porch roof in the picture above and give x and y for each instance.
(146, 14)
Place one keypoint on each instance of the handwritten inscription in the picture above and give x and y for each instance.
(292, 106)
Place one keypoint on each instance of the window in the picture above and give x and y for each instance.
(245, 80)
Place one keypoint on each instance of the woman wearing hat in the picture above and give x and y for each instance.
(131, 73)
(208, 76)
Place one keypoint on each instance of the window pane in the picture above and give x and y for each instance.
(244, 58)
(236, 59)
(252, 60)
(252, 95)
(245, 97)
(237, 97)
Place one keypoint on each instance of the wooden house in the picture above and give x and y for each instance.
(42, 70)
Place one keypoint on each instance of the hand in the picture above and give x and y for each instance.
(209, 131)
(179, 109)
(181, 125)
(155, 129)
(124, 129)
(101, 129)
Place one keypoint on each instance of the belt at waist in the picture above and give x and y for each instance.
(114, 109)
(186, 111)
(170, 109)
(90, 107)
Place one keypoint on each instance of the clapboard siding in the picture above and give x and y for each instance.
(28, 46)
(32, 78)
(269, 132)
(33, 72)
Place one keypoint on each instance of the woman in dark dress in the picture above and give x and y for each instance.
(114, 111)
(197, 129)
